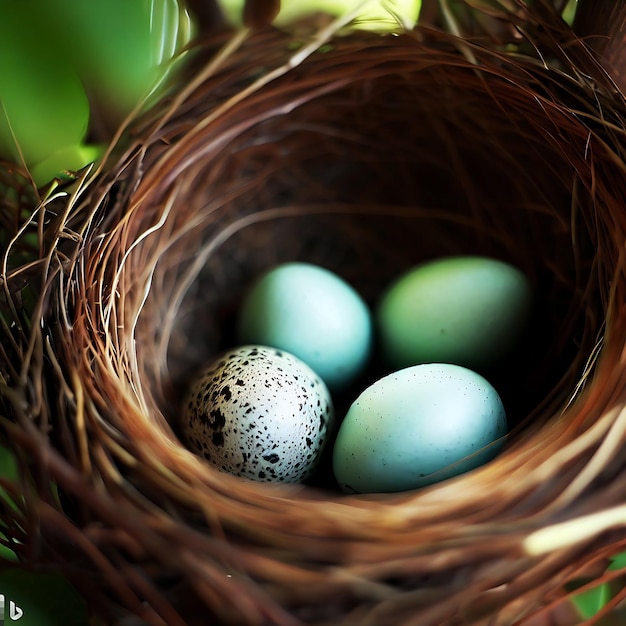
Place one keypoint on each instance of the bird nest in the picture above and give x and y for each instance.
(366, 154)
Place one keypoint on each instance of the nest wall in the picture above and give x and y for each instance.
(366, 155)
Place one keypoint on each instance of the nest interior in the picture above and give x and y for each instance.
(367, 156)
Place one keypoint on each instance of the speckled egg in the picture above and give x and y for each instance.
(260, 413)
(312, 313)
(418, 426)
(467, 310)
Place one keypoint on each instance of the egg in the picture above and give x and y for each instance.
(467, 310)
(418, 426)
(315, 315)
(259, 413)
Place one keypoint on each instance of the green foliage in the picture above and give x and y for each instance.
(588, 603)
(570, 11)
(57, 57)
(377, 15)
(46, 599)
(8, 470)
(6, 553)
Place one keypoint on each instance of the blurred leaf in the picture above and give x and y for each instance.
(8, 470)
(43, 106)
(57, 57)
(589, 602)
(618, 561)
(45, 599)
(121, 49)
(8, 464)
(6, 553)
(68, 159)
(378, 15)
(570, 11)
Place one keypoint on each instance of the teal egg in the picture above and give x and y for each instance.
(467, 310)
(418, 426)
(312, 313)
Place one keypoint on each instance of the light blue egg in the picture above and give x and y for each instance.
(416, 427)
(467, 310)
(312, 313)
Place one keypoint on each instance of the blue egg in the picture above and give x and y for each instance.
(315, 315)
(418, 426)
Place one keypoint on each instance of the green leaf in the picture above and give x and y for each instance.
(569, 13)
(377, 15)
(6, 553)
(45, 599)
(57, 56)
(589, 602)
(43, 106)
(8, 464)
(618, 561)
(120, 48)
(60, 163)
(8, 470)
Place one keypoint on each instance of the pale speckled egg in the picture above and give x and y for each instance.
(312, 313)
(418, 426)
(467, 310)
(259, 413)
